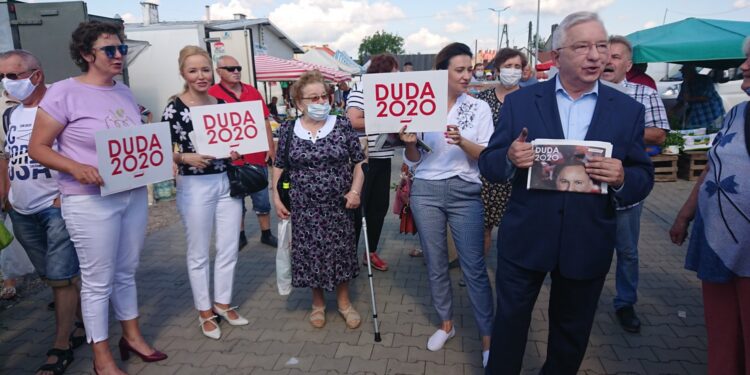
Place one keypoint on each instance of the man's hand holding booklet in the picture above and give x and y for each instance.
(572, 166)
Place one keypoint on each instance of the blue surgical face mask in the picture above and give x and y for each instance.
(19, 88)
(318, 112)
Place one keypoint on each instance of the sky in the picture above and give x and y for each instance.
(427, 26)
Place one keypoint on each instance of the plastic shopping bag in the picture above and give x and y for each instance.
(284, 258)
(14, 262)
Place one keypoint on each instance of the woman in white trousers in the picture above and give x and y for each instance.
(203, 200)
(107, 231)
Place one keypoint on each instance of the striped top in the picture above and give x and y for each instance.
(356, 100)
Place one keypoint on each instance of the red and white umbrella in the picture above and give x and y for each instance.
(270, 69)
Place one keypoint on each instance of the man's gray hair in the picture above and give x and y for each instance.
(622, 40)
(28, 58)
(746, 46)
(571, 20)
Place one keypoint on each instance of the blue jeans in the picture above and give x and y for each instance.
(626, 245)
(454, 202)
(260, 199)
(46, 240)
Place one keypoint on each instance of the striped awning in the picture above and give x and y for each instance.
(274, 69)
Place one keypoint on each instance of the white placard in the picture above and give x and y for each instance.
(134, 156)
(416, 99)
(222, 128)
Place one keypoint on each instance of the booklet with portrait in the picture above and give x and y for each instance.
(559, 164)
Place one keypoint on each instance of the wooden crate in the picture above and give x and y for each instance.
(665, 168)
(691, 164)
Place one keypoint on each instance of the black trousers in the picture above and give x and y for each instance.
(572, 306)
(376, 194)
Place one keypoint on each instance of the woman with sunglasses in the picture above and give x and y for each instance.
(446, 190)
(203, 199)
(324, 166)
(107, 231)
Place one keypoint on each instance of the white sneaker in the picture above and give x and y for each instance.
(485, 358)
(240, 321)
(438, 339)
(214, 334)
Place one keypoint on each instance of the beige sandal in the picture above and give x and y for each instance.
(351, 317)
(318, 316)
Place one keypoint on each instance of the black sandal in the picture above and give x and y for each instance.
(77, 341)
(64, 359)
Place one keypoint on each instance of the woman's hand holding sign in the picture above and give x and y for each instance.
(195, 160)
(86, 174)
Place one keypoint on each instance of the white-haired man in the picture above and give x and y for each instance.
(568, 235)
(34, 200)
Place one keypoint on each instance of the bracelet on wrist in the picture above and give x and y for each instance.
(354, 191)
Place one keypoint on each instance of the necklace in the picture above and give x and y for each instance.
(191, 100)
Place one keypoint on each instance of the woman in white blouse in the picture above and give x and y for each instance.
(446, 190)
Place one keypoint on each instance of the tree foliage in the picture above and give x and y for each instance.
(380, 42)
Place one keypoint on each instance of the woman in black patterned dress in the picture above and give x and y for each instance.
(324, 166)
(509, 64)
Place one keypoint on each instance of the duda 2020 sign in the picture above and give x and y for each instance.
(415, 99)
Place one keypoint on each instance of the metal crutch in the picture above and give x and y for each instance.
(369, 266)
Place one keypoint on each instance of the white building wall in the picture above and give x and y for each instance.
(154, 74)
(271, 44)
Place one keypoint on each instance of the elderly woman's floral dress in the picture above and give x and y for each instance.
(324, 252)
(495, 196)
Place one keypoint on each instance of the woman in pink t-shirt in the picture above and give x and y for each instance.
(108, 231)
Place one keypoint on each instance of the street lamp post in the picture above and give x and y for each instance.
(498, 11)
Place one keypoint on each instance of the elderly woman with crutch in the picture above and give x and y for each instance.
(322, 155)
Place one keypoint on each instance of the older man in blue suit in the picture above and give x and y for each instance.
(568, 235)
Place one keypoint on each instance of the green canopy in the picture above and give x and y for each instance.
(703, 42)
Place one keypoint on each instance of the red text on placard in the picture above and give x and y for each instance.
(230, 127)
(135, 153)
(404, 99)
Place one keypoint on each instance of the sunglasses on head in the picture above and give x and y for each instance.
(15, 76)
(110, 51)
(231, 69)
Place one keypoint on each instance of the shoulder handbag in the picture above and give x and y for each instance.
(245, 179)
(284, 185)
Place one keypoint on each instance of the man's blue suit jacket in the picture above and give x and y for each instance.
(544, 230)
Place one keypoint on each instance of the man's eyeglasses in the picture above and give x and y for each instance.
(110, 51)
(583, 48)
(15, 76)
(316, 98)
(231, 69)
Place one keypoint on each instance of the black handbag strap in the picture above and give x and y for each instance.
(288, 144)
(230, 93)
(747, 127)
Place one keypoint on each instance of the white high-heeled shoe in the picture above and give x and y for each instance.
(214, 334)
(240, 321)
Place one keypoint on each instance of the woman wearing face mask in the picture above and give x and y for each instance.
(324, 165)
(509, 65)
(446, 191)
(203, 199)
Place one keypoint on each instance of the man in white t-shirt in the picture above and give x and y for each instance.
(34, 205)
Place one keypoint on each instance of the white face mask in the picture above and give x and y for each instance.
(479, 74)
(509, 77)
(318, 112)
(19, 88)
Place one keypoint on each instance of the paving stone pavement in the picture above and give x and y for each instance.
(279, 339)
